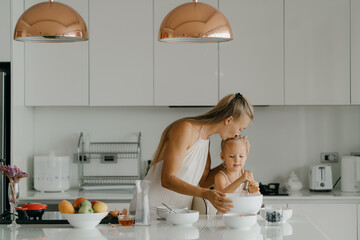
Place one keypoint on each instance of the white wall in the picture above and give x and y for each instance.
(283, 138)
(21, 116)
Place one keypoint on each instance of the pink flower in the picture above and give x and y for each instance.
(13, 173)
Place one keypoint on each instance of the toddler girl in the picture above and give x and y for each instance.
(232, 179)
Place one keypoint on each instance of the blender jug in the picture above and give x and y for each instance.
(142, 215)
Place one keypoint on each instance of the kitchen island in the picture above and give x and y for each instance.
(209, 228)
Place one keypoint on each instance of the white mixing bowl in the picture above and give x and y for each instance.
(235, 220)
(245, 203)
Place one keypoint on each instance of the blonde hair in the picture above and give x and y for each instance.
(233, 139)
(234, 105)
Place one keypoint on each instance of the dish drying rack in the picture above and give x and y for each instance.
(112, 155)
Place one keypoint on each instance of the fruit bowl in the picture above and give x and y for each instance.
(88, 220)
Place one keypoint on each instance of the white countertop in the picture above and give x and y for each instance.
(298, 227)
(126, 196)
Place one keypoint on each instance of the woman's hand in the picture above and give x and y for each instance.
(247, 145)
(218, 200)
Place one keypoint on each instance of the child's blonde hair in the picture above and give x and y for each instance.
(233, 139)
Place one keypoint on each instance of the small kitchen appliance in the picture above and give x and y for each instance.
(350, 174)
(320, 178)
(52, 173)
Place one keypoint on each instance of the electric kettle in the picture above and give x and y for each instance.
(52, 173)
(350, 174)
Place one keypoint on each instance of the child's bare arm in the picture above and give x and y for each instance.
(233, 186)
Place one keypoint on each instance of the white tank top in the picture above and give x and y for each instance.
(191, 171)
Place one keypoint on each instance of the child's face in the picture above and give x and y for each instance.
(234, 155)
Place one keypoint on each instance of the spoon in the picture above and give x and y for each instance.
(171, 210)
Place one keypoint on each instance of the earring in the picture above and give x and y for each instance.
(224, 165)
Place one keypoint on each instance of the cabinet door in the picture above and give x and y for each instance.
(56, 74)
(317, 52)
(5, 30)
(252, 63)
(336, 221)
(355, 51)
(121, 52)
(184, 74)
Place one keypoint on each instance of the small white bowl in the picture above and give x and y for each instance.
(85, 220)
(287, 214)
(245, 203)
(238, 221)
(183, 218)
(162, 211)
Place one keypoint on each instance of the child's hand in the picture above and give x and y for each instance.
(246, 176)
(253, 187)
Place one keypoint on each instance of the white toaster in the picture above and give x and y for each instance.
(320, 178)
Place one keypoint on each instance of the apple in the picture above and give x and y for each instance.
(93, 203)
(77, 202)
(85, 202)
(100, 207)
(86, 209)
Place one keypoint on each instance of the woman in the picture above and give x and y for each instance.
(181, 169)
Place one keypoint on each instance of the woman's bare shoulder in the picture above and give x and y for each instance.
(182, 129)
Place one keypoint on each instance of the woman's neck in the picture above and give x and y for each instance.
(210, 129)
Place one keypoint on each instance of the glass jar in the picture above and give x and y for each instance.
(273, 214)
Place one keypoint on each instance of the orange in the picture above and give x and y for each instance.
(77, 202)
(66, 207)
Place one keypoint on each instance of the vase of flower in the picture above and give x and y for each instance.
(14, 175)
(13, 194)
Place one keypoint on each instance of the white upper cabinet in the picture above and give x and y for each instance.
(121, 52)
(317, 52)
(5, 30)
(56, 74)
(252, 63)
(355, 52)
(184, 74)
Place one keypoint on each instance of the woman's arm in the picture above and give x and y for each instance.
(179, 140)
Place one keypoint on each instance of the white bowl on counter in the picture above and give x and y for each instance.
(239, 221)
(245, 203)
(183, 218)
(84, 220)
(162, 211)
(287, 213)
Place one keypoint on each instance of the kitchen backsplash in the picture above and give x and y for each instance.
(283, 138)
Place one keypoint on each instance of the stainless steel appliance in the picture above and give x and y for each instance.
(320, 178)
(350, 174)
(4, 129)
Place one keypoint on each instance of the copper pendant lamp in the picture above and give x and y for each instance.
(195, 22)
(50, 22)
